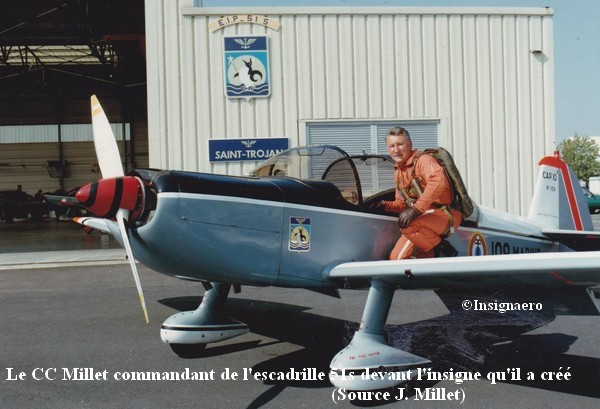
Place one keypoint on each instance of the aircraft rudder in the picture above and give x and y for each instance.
(558, 200)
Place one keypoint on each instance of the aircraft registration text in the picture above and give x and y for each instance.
(499, 247)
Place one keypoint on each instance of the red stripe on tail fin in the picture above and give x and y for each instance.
(556, 162)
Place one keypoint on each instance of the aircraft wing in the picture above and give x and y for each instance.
(576, 239)
(532, 270)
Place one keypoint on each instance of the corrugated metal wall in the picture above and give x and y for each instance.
(49, 133)
(29, 139)
(26, 164)
(485, 73)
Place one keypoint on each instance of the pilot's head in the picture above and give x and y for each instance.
(399, 145)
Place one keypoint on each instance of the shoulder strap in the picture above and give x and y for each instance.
(430, 152)
(410, 201)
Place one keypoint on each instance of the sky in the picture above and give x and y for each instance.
(576, 26)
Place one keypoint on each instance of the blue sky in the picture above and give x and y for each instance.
(576, 50)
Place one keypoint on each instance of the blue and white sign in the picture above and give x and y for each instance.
(246, 67)
(236, 150)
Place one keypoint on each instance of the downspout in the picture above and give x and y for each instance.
(61, 156)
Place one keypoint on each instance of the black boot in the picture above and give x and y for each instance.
(445, 249)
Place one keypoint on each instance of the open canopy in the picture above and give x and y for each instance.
(360, 178)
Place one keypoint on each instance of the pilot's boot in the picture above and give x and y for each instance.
(445, 249)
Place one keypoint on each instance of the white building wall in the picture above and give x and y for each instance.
(485, 73)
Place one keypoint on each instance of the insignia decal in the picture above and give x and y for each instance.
(477, 245)
(247, 67)
(299, 234)
(249, 144)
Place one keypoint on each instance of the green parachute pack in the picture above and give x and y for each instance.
(461, 200)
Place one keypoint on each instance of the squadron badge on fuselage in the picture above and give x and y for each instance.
(299, 234)
(477, 245)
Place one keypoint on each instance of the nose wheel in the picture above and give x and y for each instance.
(188, 332)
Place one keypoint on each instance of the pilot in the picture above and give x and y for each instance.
(423, 196)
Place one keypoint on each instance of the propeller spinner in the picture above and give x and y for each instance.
(115, 195)
(105, 197)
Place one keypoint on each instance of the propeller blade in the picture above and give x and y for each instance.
(105, 143)
(114, 192)
(121, 217)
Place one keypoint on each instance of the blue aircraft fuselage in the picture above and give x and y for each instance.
(258, 231)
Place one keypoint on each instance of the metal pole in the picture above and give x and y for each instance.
(61, 157)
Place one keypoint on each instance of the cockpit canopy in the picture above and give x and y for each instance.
(360, 178)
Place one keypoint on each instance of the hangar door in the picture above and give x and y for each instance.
(359, 137)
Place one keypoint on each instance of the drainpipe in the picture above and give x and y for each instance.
(123, 125)
(61, 157)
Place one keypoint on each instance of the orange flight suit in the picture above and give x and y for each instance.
(425, 231)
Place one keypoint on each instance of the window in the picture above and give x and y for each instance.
(359, 137)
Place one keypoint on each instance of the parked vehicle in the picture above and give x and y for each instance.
(64, 204)
(593, 200)
(16, 204)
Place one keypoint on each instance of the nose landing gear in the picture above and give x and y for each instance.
(188, 332)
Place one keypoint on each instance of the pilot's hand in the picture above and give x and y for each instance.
(406, 217)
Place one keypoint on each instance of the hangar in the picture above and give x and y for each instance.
(478, 81)
(53, 55)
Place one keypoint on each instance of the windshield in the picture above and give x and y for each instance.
(358, 178)
(327, 163)
(376, 174)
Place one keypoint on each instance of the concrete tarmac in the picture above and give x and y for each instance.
(85, 314)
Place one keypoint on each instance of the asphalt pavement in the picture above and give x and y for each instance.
(73, 336)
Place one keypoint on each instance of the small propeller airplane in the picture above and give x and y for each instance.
(304, 219)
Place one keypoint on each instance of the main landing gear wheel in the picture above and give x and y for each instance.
(188, 351)
(368, 353)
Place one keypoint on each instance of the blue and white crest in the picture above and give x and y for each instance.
(299, 234)
(246, 67)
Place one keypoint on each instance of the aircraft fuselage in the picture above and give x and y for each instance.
(286, 232)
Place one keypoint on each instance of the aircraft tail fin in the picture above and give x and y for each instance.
(558, 201)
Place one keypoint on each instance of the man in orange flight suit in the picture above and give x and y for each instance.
(422, 194)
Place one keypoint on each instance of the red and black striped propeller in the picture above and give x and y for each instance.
(115, 196)
(105, 197)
